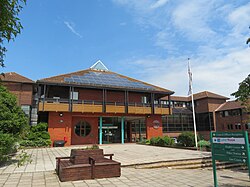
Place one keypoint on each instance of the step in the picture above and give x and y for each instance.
(172, 163)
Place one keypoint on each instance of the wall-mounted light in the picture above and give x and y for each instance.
(60, 114)
(61, 121)
(148, 116)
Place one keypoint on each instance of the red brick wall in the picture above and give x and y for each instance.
(213, 104)
(112, 96)
(150, 130)
(92, 138)
(23, 92)
(57, 129)
(89, 94)
(222, 122)
(115, 96)
(201, 105)
(208, 104)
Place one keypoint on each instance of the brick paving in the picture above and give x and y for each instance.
(41, 171)
(133, 177)
(43, 159)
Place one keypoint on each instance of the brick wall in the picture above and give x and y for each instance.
(222, 122)
(58, 129)
(151, 129)
(61, 127)
(22, 91)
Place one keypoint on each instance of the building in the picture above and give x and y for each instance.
(213, 113)
(24, 89)
(232, 116)
(97, 106)
(100, 106)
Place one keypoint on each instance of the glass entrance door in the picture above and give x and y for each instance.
(111, 130)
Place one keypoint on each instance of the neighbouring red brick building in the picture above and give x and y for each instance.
(23, 88)
(213, 113)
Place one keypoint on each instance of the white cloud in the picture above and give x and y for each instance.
(70, 26)
(212, 33)
(159, 3)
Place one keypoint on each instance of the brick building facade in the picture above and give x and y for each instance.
(97, 106)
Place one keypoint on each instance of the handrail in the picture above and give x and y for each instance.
(94, 102)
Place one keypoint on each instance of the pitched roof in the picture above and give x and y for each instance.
(15, 77)
(102, 79)
(179, 98)
(200, 95)
(230, 105)
(207, 94)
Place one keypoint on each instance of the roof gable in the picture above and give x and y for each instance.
(15, 77)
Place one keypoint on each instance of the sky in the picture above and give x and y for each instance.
(149, 40)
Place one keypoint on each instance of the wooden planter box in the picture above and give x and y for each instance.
(87, 164)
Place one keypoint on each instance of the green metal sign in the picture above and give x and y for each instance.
(231, 147)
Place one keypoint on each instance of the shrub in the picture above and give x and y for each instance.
(204, 143)
(39, 142)
(168, 140)
(161, 141)
(7, 146)
(92, 147)
(40, 127)
(186, 139)
(155, 140)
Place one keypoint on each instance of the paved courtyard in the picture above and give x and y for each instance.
(133, 177)
(41, 171)
(43, 159)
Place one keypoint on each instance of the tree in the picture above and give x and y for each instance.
(248, 40)
(10, 25)
(12, 119)
(243, 93)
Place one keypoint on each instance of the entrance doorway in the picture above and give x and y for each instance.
(111, 130)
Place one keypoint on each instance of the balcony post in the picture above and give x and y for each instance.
(122, 130)
(100, 131)
(44, 92)
(169, 105)
(153, 102)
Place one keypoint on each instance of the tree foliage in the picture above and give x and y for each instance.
(243, 93)
(12, 119)
(10, 25)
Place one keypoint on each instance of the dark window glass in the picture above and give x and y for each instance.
(82, 128)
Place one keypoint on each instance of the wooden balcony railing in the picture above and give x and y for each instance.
(162, 109)
(87, 106)
(115, 107)
(135, 108)
(62, 105)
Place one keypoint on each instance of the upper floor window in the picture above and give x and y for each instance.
(230, 127)
(74, 95)
(26, 109)
(144, 99)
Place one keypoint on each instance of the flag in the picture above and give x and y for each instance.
(190, 79)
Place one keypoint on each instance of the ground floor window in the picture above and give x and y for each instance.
(177, 122)
(82, 128)
(134, 129)
(204, 121)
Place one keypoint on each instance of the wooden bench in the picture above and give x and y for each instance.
(87, 164)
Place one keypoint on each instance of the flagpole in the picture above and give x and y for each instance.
(192, 97)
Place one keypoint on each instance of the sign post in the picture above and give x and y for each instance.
(231, 147)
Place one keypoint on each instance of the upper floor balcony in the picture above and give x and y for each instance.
(92, 106)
